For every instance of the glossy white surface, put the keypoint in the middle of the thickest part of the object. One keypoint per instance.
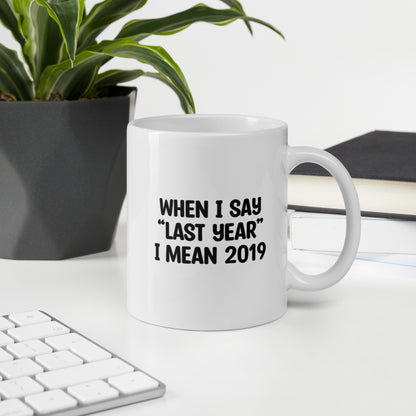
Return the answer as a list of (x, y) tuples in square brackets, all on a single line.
[(346, 350), (204, 159), (219, 162), (303, 281)]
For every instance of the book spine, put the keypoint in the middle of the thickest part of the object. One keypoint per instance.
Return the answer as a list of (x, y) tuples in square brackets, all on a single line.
[(325, 232)]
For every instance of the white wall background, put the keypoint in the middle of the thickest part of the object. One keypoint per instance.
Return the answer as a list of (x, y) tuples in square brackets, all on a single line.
[(345, 68)]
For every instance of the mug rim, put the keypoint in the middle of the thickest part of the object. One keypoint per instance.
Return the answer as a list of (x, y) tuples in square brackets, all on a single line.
[(174, 124)]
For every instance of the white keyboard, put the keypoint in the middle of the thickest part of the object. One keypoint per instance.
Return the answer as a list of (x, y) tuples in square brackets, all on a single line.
[(46, 368)]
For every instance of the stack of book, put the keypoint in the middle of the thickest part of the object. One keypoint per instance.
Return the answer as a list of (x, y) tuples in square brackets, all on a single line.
[(383, 167)]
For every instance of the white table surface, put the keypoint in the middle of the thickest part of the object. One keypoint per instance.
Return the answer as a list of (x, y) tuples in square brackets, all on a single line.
[(348, 350)]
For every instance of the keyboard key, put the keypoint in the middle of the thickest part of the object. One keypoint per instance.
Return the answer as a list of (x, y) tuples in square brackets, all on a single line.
[(5, 339), (29, 349), (89, 352), (48, 369), (133, 383), (37, 331), (58, 360), (5, 324), (51, 401), (83, 373), (19, 368), (96, 391), (19, 387), (5, 356), (64, 342), (29, 318), (14, 407)]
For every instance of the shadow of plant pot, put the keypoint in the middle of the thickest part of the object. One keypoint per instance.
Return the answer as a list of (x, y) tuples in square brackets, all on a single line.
[(62, 175)]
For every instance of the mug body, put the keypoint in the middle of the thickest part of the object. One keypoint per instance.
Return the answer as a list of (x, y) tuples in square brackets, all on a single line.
[(207, 226)]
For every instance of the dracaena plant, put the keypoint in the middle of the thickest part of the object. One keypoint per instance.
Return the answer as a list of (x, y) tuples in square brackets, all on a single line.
[(62, 57)]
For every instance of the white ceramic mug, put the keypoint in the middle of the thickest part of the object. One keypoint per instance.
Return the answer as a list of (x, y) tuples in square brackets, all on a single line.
[(207, 223)]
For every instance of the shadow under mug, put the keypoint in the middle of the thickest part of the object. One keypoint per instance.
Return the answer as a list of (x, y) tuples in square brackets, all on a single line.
[(207, 221)]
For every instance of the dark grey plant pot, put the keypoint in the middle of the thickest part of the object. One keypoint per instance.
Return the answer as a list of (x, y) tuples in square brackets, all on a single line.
[(62, 175)]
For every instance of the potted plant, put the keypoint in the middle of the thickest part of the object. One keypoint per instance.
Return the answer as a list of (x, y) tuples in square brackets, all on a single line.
[(63, 119)]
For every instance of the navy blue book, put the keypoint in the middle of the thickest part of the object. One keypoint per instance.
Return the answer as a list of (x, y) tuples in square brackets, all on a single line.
[(383, 167)]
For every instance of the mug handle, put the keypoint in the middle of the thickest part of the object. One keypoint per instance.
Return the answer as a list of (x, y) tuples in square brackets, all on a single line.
[(299, 280)]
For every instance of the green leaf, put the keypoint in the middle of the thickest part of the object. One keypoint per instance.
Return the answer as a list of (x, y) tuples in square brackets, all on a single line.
[(140, 29), (68, 15), (7, 86), (72, 83), (234, 4), (182, 99), (70, 80), (43, 40), (9, 20), (117, 76), (14, 80), (102, 15), (263, 23), (159, 59)]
